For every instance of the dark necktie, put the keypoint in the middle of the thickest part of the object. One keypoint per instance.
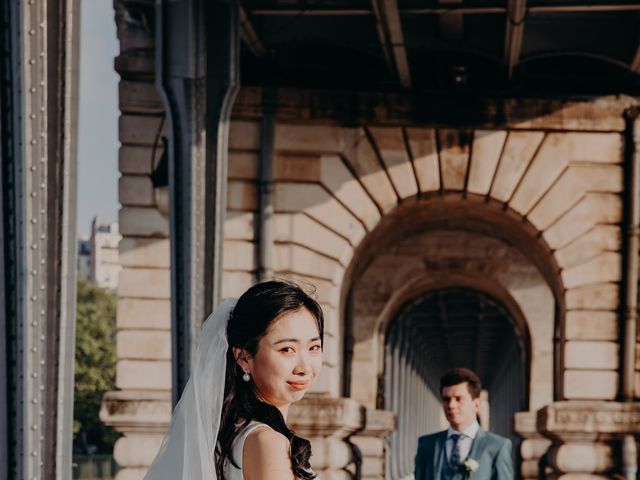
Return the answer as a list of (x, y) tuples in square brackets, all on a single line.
[(455, 451)]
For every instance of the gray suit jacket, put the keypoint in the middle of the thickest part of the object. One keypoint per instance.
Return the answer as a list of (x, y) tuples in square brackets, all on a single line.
[(491, 451)]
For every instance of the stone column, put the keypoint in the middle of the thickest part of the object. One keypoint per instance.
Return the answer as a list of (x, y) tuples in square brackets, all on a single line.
[(141, 407), (370, 441), (587, 437), (337, 429), (326, 423), (533, 447)]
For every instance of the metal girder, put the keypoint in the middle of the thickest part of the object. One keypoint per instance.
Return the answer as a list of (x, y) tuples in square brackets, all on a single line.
[(37, 186), (514, 32), (249, 36), (447, 9), (389, 29), (451, 24), (197, 60), (635, 63)]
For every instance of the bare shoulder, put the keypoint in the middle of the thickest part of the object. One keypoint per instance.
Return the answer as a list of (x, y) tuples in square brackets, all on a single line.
[(266, 456)]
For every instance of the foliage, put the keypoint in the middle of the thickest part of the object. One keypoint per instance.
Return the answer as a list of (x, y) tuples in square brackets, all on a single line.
[(95, 366)]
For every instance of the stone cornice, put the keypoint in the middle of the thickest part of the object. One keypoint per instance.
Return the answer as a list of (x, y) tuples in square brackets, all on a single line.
[(147, 412), (588, 420)]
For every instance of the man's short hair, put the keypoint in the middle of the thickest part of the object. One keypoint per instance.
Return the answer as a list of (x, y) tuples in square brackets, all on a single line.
[(456, 376)]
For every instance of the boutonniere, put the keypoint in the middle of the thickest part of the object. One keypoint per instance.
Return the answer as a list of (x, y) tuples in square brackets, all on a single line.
[(470, 465)]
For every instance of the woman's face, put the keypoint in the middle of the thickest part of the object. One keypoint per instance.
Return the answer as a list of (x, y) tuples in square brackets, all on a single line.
[(288, 360)]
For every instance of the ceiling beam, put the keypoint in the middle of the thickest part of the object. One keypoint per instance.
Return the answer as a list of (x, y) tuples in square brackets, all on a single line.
[(452, 24), (635, 63), (446, 9), (514, 32), (249, 36), (391, 36)]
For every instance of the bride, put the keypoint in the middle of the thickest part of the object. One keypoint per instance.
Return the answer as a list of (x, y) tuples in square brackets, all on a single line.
[(255, 358)]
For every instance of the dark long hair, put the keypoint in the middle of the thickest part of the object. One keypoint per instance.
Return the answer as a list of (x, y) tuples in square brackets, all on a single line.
[(255, 311)]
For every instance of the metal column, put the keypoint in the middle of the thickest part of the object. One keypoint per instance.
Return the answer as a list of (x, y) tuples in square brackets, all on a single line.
[(37, 186), (197, 60)]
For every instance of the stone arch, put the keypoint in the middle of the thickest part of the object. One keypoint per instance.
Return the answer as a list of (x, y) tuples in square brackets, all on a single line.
[(421, 286), (440, 257), (442, 326), (337, 189)]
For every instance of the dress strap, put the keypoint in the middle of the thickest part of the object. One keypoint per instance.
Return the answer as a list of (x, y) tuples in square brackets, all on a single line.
[(238, 444)]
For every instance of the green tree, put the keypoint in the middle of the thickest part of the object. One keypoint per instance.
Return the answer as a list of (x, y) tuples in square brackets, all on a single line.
[(95, 365)]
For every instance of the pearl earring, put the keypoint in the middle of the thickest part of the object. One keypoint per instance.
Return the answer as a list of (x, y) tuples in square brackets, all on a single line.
[(246, 377)]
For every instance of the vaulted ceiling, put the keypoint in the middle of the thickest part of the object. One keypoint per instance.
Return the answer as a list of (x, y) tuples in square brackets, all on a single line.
[(493, 46)]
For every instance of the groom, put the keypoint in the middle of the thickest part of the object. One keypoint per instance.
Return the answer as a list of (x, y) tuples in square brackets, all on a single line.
[(464, 450)]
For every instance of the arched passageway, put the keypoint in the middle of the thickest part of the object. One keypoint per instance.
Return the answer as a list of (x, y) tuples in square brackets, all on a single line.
[(445, 328)]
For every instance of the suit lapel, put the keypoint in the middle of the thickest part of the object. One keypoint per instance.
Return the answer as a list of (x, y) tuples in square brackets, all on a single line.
[(478, 444), (440, 455)]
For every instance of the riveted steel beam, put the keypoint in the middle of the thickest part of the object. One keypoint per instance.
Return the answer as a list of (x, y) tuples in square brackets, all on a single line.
[(37, 185)]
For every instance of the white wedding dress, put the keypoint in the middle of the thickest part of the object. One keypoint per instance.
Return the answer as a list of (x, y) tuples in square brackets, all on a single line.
[(230, 470)]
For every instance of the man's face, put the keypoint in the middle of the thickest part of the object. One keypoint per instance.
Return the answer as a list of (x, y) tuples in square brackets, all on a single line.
[(459, 407)]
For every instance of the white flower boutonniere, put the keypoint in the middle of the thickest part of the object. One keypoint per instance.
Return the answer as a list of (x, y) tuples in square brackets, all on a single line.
[(470, 465)]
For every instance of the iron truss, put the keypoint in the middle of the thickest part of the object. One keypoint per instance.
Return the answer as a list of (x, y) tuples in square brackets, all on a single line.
[(508, 46), (37, 185)]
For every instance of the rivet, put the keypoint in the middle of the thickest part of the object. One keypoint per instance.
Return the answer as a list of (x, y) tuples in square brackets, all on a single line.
[(34, 427), (32, 31), (34, 349), (34, 220), (34, 141), (42, 262), (42, 338), (34, 247), (34, 454), (33, 194), (41, 362), (32, 61), (34, 401), (42, 287), (33, 168), (33, 115), (32, 89), (34, 324), (33, 272), (34, 298), (43, 185), (34, 375), (43, 236), (42, 160), (42, 312)]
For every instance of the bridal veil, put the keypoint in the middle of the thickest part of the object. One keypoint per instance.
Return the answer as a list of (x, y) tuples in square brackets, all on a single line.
[(187, 451)]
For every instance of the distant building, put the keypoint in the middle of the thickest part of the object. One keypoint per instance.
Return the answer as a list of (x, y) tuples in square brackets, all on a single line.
[(84, 257), (98, 255)]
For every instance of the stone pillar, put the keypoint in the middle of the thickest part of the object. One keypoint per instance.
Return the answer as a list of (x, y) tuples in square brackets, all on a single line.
[(337, 429), (533, 446), (141, 407), (371, 442), (587, 437), (143, 418)]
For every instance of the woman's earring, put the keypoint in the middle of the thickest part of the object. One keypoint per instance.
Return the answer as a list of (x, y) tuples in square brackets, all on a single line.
[(246, 377)]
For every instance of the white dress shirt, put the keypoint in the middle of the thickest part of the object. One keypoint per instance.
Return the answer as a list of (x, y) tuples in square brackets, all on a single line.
[(465, 441)]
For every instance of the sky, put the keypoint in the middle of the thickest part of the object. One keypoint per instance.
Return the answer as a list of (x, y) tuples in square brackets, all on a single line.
[(98, 115)]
